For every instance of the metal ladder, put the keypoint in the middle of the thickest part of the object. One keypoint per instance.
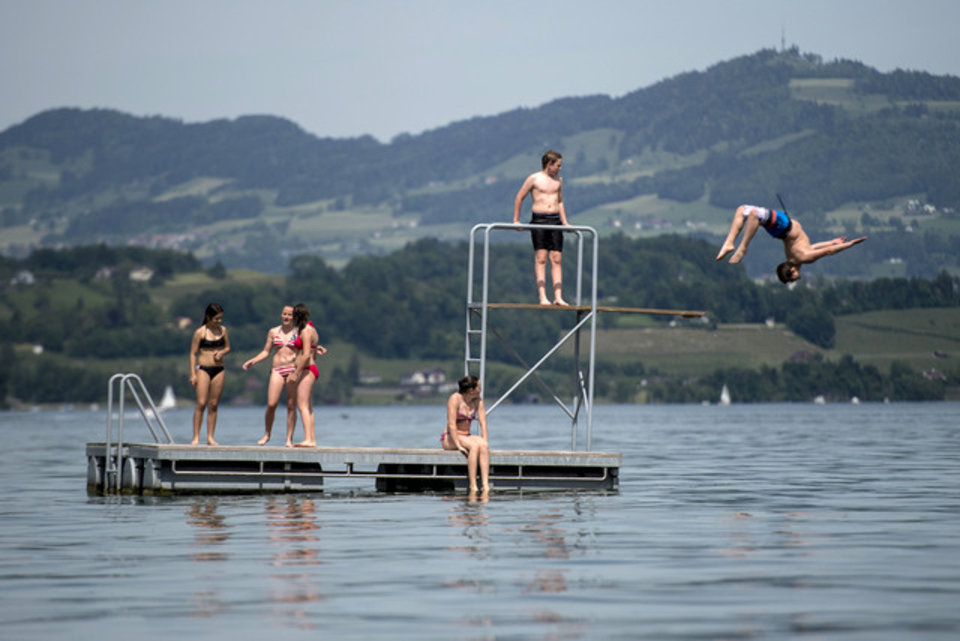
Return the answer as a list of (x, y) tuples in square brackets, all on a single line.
[(477, 310), (134, 384)]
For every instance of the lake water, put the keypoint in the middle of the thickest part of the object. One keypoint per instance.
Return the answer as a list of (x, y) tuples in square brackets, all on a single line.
[(739, 522)]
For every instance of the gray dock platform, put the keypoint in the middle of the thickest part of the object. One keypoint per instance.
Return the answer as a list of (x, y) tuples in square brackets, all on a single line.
[(157, 468)]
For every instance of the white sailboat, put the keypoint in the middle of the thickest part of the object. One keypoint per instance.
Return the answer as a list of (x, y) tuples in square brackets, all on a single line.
[(168, 401), (725, 395)]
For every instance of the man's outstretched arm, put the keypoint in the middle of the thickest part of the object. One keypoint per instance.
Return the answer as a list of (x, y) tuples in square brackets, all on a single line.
[(829, 248), (827, 243)]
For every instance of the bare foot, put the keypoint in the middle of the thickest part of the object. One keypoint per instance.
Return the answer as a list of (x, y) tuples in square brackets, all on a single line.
[(263, 441), (736, 258), (474, 496), (289, 444), (305, 444), (544, 301), (726, 249), (210, 441), (474, 489), (561, 303), (195, 441)]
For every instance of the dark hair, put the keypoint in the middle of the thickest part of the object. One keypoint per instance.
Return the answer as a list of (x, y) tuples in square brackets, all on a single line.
[(301, 314), (783, 272), (212, 310), (467, 383), (550, 156)]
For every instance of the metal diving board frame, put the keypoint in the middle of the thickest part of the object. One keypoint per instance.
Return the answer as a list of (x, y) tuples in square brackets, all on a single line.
[(478, 327)]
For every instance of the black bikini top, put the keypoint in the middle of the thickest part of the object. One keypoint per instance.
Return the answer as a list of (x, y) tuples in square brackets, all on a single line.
[(208, 344)]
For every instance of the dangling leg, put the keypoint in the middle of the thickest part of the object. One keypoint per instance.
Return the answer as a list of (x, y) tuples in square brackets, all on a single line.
[(750, 227), (735, 227), (473, 457), (484, 460)]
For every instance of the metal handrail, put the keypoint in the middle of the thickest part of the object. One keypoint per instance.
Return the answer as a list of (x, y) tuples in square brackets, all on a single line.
[(484, 301), (126, 381)]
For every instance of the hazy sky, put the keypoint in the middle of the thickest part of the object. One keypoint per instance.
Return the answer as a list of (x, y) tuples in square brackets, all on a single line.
[(351, 67)]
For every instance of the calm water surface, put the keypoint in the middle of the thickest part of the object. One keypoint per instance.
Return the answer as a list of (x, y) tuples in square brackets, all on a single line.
[(740, 522)]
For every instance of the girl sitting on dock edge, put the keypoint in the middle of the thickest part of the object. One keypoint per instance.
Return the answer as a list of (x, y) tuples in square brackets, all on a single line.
[(463, 407)]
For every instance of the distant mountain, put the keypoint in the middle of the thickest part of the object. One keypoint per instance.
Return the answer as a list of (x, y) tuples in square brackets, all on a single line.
[(849, 148)]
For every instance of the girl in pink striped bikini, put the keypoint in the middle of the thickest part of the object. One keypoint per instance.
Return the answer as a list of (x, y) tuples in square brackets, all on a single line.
[(283, 341)]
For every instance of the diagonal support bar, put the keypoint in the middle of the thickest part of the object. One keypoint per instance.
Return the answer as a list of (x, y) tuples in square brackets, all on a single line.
[(543, 359)]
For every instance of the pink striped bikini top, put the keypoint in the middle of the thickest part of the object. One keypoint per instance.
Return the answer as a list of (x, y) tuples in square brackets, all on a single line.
[(291, 341)]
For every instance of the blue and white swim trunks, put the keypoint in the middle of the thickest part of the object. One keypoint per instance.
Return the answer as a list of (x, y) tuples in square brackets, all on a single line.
[(775, 221)]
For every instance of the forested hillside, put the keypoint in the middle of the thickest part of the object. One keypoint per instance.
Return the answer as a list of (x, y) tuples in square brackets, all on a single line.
[(72, 317), (852, 150)]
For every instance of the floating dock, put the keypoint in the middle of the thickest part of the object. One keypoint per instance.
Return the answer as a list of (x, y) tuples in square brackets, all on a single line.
[(120, 466), (161, 468)]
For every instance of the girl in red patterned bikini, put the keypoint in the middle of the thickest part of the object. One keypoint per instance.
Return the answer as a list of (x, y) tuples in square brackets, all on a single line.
[(282, 341), (306, 372)]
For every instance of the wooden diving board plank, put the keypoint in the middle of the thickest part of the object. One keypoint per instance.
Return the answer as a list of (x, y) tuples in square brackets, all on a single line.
[(686, 313)]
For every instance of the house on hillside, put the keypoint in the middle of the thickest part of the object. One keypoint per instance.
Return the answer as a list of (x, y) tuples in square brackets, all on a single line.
[(425, 382), (23, 277), (141, 274)]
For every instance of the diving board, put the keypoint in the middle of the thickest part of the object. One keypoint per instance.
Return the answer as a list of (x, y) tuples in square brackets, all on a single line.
[(685, 313), (478, 329)]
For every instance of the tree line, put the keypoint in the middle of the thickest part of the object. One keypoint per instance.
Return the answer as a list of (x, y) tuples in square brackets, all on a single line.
[(408, 304)]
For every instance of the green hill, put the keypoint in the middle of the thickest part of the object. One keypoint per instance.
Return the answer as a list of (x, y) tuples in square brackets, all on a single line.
[(852, 150)]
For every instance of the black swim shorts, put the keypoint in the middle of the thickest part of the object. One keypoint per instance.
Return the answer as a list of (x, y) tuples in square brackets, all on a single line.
[(549, 239)]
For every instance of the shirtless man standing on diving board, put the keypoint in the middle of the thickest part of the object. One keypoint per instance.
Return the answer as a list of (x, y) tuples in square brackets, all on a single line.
[(546, 191), (796, 244)]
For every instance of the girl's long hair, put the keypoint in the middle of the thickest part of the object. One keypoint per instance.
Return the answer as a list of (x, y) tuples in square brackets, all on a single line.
[(467, 383), (301, 314), (212, 310)]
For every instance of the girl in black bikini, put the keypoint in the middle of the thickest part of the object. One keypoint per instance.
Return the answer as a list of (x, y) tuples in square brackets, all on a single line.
[(209, 345)]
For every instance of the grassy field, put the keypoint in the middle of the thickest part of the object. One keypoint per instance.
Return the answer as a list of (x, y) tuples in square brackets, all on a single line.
[(198, 281), (60, 297), (836, 91), (875, 338), (911, 336)]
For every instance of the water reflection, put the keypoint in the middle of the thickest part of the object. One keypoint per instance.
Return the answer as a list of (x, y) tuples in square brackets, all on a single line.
[(543, 534), (471, 519), (211, 530), (548, 534), (292, 523), (745, 532), (293, 532)]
